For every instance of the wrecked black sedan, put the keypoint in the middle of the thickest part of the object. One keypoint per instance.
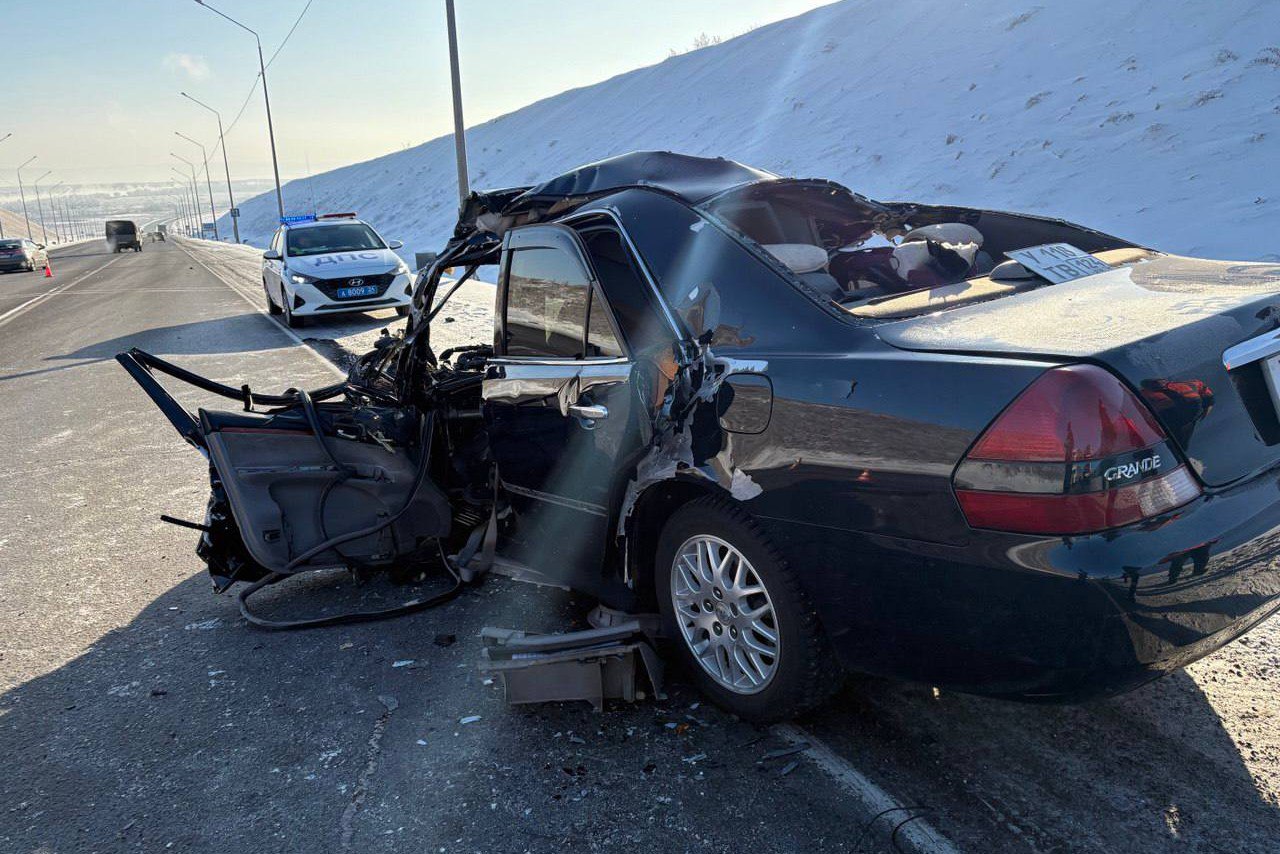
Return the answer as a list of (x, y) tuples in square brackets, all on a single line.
[(987, 451)]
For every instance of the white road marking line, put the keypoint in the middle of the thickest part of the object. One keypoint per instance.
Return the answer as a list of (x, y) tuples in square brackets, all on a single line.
[(84, 291), (244, 296), (916, 835), (17, 310)]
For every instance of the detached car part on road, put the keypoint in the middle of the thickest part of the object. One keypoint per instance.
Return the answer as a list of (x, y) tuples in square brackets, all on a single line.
[(986, 451)]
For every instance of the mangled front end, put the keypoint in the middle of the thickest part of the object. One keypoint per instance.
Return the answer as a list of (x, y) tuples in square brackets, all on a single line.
[(347, 475)]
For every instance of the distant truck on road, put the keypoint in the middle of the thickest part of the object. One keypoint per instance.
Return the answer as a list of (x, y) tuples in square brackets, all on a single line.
[(122, 234)]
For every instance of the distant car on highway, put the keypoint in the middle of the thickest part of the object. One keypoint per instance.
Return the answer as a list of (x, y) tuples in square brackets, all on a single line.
[(19, 253), (122, 234), (332, 264)]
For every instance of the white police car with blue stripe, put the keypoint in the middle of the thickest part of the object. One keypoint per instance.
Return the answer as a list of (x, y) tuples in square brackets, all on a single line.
[(332, 264)]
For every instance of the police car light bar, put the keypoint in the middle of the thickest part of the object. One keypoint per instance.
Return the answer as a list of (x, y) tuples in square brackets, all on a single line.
[(349, 215)]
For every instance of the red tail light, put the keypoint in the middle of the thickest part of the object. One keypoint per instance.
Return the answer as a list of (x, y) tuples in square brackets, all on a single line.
[(1075, 453)]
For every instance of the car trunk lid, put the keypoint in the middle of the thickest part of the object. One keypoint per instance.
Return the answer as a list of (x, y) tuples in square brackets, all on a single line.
[(1163, 325)]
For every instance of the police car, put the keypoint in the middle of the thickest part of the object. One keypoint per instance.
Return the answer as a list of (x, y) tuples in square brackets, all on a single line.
[(332, 264)]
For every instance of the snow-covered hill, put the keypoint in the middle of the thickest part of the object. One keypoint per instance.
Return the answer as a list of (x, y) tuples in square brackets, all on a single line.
[(1159, 122)]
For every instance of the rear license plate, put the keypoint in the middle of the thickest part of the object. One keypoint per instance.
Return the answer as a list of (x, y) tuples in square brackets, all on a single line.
[(362, 291), (1058, 262)]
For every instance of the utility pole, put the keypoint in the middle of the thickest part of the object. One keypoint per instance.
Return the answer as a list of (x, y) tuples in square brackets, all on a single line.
[(204, 155), (222, 141), (262, 70), (459, 131), (23, 194)]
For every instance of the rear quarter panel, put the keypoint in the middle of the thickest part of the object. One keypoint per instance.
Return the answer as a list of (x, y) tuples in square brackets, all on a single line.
[(867, 442)]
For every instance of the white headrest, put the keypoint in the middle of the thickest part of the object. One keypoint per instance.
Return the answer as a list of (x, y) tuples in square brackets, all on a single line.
[(799, 258), (945, 232)]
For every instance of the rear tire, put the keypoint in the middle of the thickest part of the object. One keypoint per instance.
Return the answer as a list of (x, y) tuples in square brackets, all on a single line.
[(740, 669), (402, 311)]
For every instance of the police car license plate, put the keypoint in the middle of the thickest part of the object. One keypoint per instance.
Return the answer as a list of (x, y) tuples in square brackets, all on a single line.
[(362, 291)]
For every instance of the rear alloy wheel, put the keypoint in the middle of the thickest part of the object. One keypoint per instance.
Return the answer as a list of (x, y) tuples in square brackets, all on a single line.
[(738, 615), (272, 308)]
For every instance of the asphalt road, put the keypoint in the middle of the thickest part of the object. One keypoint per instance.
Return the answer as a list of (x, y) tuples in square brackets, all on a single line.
[(140, 713)]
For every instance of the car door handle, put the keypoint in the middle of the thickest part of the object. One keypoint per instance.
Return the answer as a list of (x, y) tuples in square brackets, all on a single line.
[(590, 412)]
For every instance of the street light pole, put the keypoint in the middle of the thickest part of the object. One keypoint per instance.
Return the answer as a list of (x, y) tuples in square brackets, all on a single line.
[(459, 133), (179, 205), (262, 70), (68, 225), (184, 193), (23, 194), (195, 186), (44, 234), (53, 210), (204, 155), (2, 139), (222, 141)]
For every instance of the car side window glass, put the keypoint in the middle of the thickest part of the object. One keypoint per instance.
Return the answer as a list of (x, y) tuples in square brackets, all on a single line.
[(546, 304), (601, 339), (629, 298)]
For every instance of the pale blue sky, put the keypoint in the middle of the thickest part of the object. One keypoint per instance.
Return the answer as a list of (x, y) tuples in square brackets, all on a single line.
[(98, 80)]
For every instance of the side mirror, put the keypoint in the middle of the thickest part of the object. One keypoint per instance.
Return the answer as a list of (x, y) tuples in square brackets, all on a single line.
[(395, 244), (271, 255)]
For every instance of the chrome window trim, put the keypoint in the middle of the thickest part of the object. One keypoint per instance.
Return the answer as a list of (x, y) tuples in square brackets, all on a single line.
[(540, 360), (560, 500), (672, 323), (1253, 350)]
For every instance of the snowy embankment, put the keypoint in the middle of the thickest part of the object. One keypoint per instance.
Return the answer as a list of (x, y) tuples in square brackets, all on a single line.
[(1156, 122)]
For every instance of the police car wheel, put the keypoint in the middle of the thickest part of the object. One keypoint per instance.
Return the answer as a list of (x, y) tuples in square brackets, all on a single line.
[(272, 308), (402, 311), (290, 319)]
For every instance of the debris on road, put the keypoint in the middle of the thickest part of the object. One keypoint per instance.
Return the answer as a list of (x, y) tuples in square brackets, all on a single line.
[(785, 751), (592, 665), (469, 719)]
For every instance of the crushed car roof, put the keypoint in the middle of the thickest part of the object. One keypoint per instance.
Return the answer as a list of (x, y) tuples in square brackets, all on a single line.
[(693, 179)]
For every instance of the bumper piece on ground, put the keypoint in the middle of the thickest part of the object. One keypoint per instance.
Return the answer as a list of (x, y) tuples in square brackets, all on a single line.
[(592, 665)]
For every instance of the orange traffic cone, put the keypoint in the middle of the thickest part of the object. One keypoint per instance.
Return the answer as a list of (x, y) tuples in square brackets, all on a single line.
[(48, 270)]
